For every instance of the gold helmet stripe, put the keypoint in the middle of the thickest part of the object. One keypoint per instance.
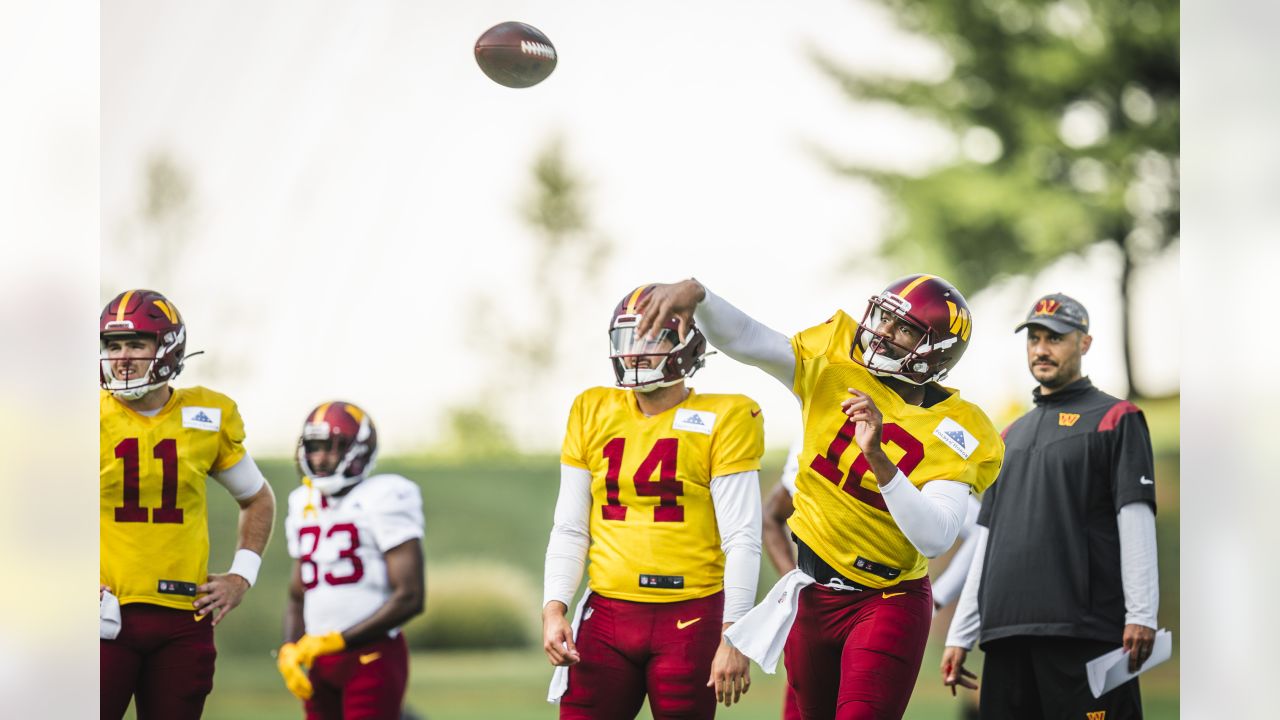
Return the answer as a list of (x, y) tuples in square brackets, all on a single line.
[(354, 412), (635, 297), (124, 303), (907, 290), (318, 415), (168, 311)]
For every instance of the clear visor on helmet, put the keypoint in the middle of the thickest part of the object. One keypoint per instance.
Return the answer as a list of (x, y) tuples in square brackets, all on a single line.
[(624, 342), (641, 362)]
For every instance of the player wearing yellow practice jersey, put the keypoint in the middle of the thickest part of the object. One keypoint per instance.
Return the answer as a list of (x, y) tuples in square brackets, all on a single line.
[(856, 611), (159, 445), (659, 487)]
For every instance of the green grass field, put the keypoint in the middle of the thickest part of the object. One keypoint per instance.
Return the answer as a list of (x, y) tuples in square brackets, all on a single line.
[(501, 510)]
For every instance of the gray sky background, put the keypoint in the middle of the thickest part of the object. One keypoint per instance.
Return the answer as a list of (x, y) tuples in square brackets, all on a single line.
[(357, 181)]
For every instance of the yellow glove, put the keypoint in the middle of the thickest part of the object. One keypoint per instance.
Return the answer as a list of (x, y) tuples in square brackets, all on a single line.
[(294, 659)]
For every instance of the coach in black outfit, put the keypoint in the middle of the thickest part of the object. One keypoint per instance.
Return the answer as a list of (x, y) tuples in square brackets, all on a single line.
[(1065, 568)]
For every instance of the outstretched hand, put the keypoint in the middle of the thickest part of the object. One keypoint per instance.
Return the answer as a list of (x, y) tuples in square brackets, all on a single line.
[(664, 301)]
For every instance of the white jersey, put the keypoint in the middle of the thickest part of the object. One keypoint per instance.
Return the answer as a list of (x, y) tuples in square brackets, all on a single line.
[(341, 543)]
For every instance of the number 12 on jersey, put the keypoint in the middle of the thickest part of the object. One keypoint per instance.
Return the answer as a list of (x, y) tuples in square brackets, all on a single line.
[(667, 488)]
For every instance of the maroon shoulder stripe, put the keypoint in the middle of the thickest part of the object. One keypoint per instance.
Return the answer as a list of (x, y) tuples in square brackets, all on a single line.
[(1117, 411)]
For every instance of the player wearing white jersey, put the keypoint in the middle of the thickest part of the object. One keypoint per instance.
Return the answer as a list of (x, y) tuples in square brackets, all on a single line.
[(357, 572)]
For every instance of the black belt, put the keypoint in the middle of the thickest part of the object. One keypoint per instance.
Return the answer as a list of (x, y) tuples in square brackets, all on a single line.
[(818, 569)]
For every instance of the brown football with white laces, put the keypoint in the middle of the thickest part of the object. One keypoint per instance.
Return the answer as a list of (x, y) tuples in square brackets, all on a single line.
[(515, 54)]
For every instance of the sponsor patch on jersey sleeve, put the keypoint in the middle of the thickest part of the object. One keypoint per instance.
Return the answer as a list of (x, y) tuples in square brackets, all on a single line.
[(699, 421), (954, 436), (202, 418)]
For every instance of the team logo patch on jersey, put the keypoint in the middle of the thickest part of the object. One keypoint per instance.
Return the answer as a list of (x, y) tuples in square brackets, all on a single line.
[(956, 437), (202, 418), (1068, 419), (699, 421)]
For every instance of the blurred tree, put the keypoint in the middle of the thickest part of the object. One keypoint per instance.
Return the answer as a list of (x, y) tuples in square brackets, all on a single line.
[(157, 237), (154, 248), (568, 255), (1066, 120)]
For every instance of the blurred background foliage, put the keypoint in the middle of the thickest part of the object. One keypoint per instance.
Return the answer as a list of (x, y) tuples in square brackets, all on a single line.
[(1065, 115)]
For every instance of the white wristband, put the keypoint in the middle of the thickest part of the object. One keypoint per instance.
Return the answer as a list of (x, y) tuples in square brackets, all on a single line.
[(246, 564)]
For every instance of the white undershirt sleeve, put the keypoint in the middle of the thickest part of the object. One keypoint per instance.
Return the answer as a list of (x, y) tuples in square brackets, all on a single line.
[(745, 339), (930, 518), (1139, 574), (243, 480), (570, 537), (967, 623), (736, 499), (946, 587)]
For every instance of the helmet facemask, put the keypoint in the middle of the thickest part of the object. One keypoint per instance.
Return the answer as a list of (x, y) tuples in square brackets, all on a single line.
[(357, 455), (669, 360), (163, 366), (884, 357)]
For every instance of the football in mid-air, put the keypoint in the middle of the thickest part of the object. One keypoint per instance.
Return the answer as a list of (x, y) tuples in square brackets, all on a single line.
[(515, 54)]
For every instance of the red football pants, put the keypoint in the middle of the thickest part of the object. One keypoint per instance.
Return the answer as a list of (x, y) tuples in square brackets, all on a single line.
[(163, 658), (856, 655), (629, 649), (363, 683)]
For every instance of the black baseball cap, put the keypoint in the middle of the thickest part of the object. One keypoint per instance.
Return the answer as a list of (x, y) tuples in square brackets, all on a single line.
[(1059, 313)]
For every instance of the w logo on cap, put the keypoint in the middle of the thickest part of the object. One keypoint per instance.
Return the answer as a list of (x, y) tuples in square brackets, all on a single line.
[(1047, 306)]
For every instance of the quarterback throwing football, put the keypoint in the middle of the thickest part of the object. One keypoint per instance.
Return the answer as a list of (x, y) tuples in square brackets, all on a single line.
[(659, 486), (158, 602), (855, 613), (356, 540)]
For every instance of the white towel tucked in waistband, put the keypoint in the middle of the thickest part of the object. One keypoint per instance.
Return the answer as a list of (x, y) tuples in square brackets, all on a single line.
[(762, 632), (108, 616)]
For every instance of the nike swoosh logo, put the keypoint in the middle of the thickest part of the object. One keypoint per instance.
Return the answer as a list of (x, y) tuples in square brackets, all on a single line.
[(200, 617), (1145, 481), (366, 659), (756, 412), (682, 624), (886, 596)]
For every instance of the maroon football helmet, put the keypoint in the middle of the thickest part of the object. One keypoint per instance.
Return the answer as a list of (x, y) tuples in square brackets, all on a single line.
[(142, 312), (343, 427), (931, 305), (671, 360)]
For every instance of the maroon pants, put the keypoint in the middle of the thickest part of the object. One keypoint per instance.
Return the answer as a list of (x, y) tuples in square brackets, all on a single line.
[(629, 649), (856, 655), (163, 658), (362, 683)]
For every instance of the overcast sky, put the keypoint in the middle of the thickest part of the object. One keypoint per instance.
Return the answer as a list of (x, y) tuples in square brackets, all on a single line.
[(357, 183)]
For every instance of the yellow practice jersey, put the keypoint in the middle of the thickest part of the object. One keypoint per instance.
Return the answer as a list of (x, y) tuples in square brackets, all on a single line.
[(653, 526), (153, 527), (839, 512)]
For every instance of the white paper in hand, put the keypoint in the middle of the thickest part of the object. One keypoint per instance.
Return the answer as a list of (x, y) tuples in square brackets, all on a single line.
[(1111, 670)]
